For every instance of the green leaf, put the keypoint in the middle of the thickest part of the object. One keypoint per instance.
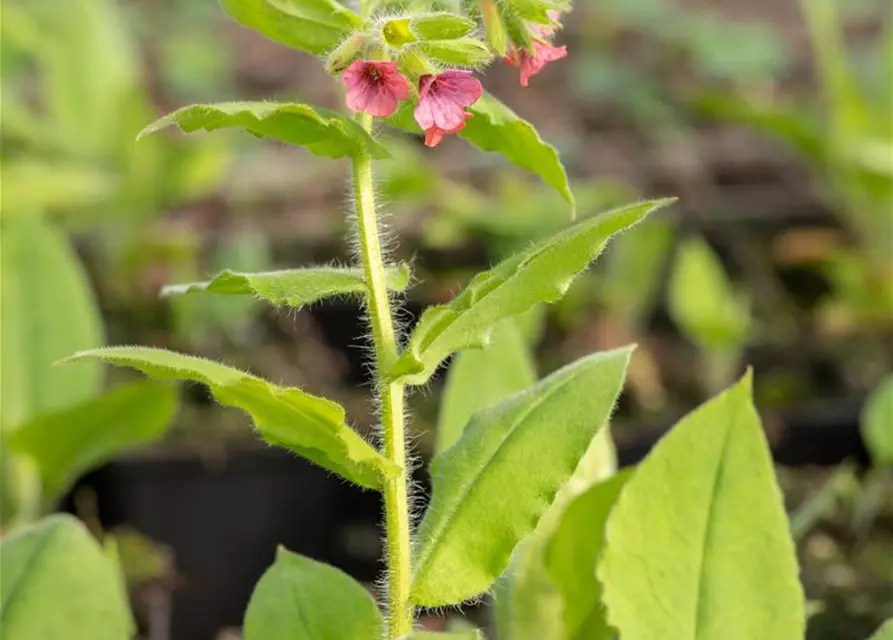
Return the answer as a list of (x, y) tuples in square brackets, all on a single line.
[(465, 52), (491, 488), (292, 287), (300, 598), (58, 583), (572, 553), (322, 131), (469, 634), (540, 274), (884, 632), (312, 26), (285, 416), (440, 26), (69, 442), (531, 597), (47, 311), (479, 378), (495, 127), (702, 300), (877, 423), (698, 543)]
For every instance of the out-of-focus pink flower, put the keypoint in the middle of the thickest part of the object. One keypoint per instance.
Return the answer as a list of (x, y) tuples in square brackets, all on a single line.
[(442, 102), (532, 63), (374, 87), (543, 51)]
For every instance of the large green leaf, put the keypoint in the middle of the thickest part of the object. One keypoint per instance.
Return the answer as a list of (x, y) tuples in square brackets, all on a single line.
[(698, 544), (58, 584), (301, 598), (48, 312), (572, 553), (69, 442), (313, 26), (884, 632), (322, 131), (495, 127), (877, 423), (540, 274), (492, 487), (292, 287), (479, 378), (532, 597), (703, 301), (285, 416), (470, 634)]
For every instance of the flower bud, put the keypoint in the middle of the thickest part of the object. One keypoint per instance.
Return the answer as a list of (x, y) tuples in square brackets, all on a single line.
[(345, 53), (494, 27)]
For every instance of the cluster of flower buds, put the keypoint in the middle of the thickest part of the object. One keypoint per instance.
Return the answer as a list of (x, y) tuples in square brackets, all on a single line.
[(430, 60)]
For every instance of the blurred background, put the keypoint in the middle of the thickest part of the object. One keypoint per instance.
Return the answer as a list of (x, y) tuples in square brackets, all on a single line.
[(772, 121)]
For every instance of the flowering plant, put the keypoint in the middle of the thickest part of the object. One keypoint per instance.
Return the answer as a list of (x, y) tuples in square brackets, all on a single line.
[(527, 501)]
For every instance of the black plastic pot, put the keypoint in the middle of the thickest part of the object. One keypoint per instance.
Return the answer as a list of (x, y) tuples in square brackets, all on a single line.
[(224, 519)]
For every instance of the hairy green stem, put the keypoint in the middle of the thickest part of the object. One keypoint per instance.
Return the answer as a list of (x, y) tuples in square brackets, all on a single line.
[(390, 396)]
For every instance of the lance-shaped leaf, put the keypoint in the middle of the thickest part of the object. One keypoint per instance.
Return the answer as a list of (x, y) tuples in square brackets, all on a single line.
[(69, 442), (292, 287), (540, 274), (313, 26), (495, 127), (492, 487), (698, 544), (310, 426), (322, 131), (877, 423), (301, 598), (58, 583)]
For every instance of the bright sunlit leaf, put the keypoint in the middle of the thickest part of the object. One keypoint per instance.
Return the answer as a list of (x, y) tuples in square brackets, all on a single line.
[(492, 487), (698, 544)]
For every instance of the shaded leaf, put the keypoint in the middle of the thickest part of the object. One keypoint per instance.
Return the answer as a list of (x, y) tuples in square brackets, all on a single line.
[(293, 287), (58, 583), (572, 553), (877, 423), (491, 488), (478, 378), (301, 598), (322, 131), (698, 543), (495, 127), (540, 274), (69, 442), (703, 301), (285, 416), (312, 26), (47, 311)]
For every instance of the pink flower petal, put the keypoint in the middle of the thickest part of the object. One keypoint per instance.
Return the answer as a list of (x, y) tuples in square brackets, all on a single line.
[(374, 87), (443, 98)]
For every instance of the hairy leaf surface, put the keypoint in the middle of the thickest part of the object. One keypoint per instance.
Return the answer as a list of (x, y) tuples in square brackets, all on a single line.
[(312, 427), (322, 131), (292, 287), (540, 274), (492, 487)]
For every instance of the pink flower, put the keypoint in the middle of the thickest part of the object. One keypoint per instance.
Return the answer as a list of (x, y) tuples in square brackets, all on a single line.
[(442, 102), (543, 51), (532, 64), (374, 87)]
